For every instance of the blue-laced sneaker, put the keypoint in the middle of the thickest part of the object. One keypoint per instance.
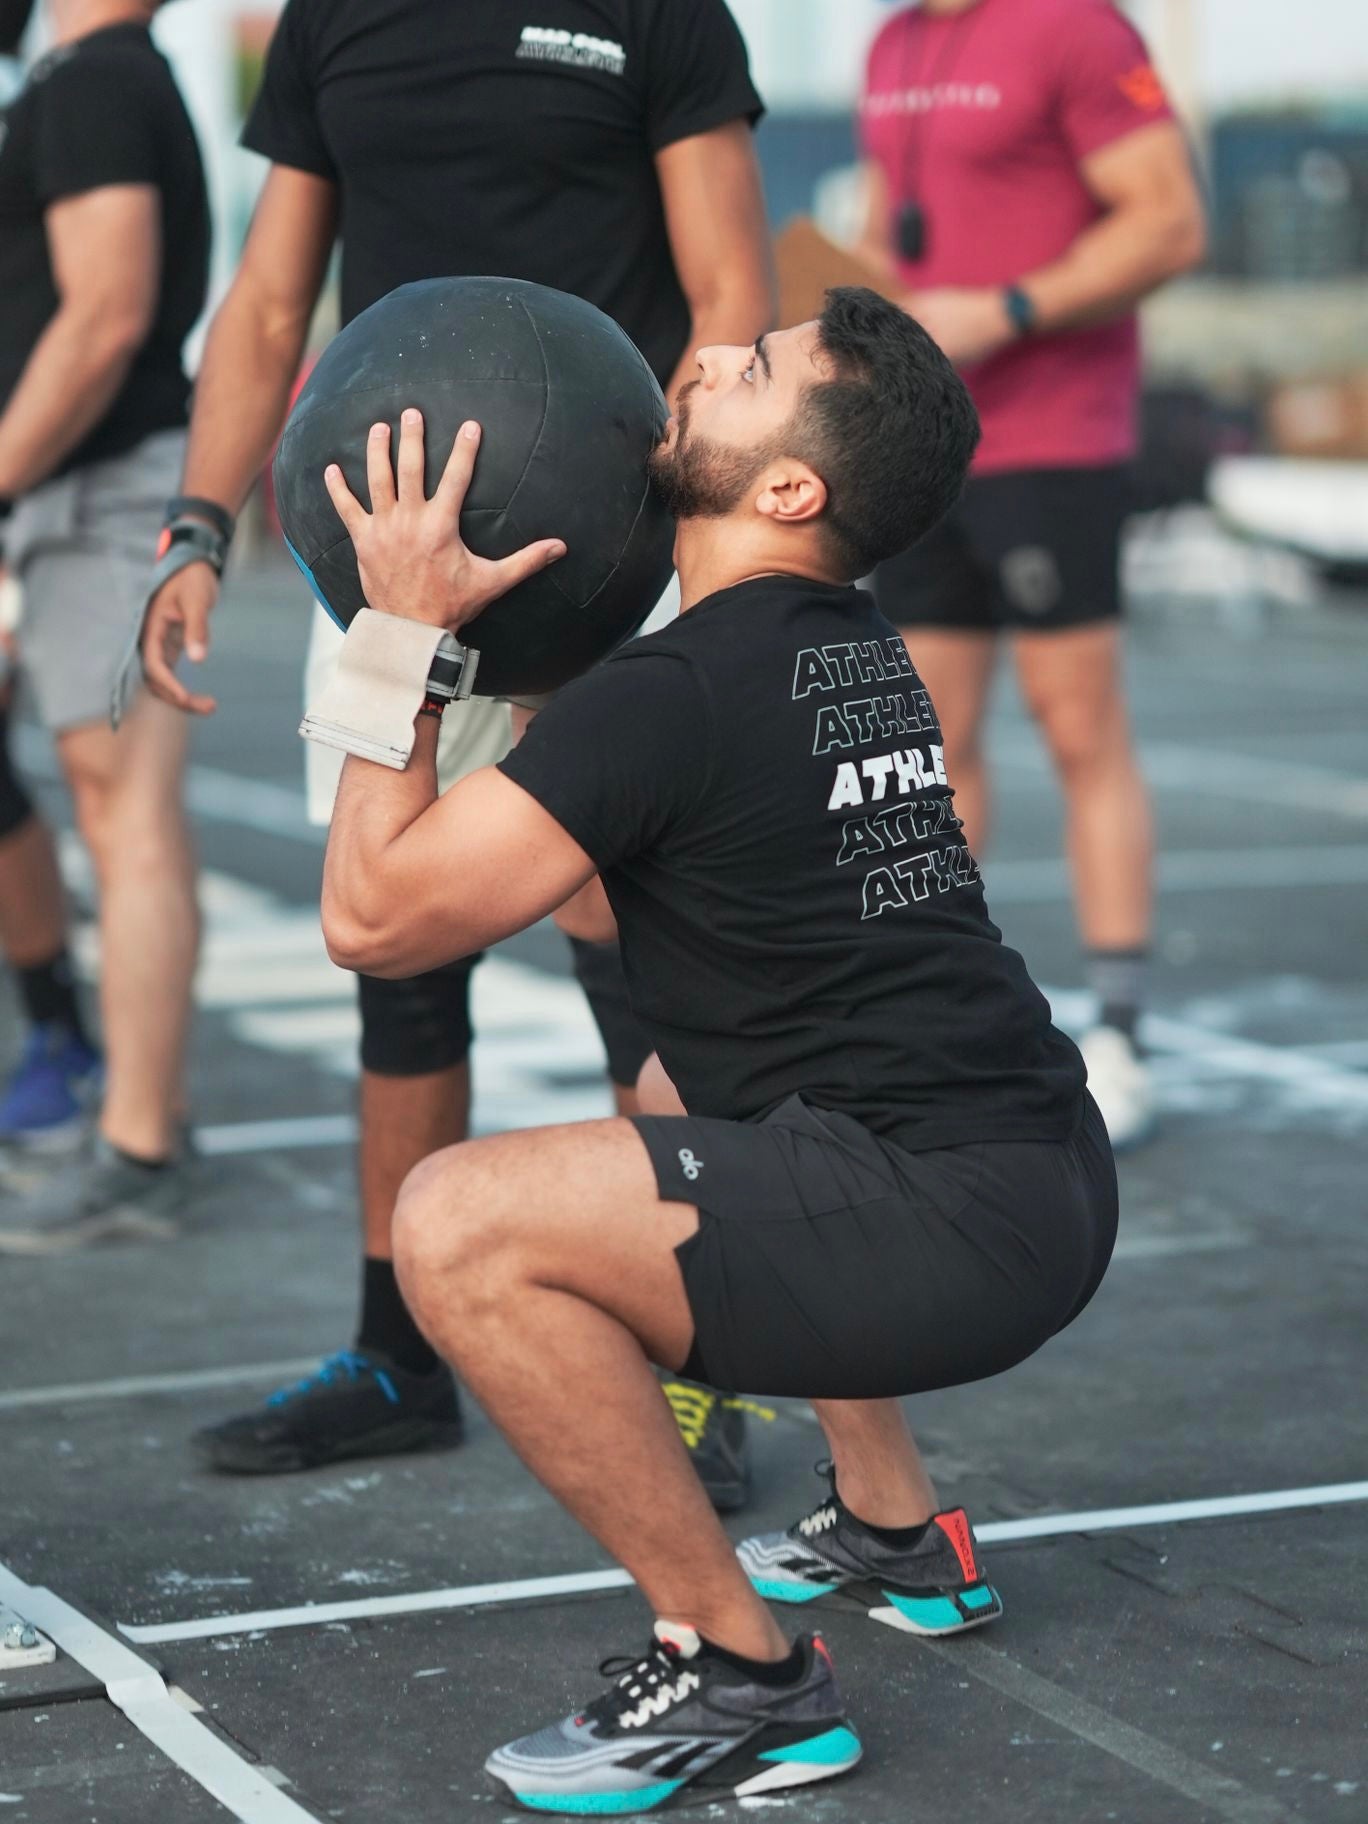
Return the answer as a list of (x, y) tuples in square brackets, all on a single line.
[(352, 1405), (931, 1583), (685, 1725), (50, 1100)]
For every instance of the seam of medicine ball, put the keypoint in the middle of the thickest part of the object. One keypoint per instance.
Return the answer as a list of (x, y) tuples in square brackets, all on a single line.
[(626, 546), (303, 418), (546, 401)]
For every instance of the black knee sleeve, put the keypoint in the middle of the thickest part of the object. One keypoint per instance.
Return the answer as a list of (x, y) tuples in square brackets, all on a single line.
[(16, 807), (412, 1028), (599, 968)]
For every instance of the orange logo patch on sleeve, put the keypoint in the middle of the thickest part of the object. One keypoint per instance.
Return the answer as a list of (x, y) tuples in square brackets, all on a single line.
[(1142, 87)]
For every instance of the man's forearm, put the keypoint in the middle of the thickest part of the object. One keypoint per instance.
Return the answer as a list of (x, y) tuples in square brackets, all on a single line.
[(68, 384), (1112, 265), (375, 806), (241, 397)]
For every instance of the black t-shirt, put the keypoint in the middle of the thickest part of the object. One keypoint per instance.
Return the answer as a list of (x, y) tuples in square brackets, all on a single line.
[(465, 140), (104, 110), (763, 786)]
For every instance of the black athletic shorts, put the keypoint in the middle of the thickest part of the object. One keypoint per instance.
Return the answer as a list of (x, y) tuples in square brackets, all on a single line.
[(830, 1264), (1030, 550)]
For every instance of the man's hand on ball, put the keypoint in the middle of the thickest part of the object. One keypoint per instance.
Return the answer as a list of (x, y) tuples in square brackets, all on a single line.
[(409, 550)]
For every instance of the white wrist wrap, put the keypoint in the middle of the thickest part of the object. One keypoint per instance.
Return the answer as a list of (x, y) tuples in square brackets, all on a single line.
[(369, 706)]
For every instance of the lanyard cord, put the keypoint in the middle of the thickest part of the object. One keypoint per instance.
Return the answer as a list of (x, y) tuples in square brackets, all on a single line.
[(955, 39)]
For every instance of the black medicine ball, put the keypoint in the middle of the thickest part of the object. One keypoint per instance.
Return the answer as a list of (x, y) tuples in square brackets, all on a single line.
[(570, 413)]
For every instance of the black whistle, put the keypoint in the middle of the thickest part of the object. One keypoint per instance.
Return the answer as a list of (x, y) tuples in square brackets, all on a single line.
[(912, 232)]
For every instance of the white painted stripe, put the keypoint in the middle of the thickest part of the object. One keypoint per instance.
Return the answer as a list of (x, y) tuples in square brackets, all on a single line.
[(1273, 869), (305, 1131), (420, 1602), (140, 1692), (137, 1386), (534, 1589)]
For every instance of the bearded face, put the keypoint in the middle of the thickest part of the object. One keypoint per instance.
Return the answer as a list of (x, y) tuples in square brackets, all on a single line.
[(699, 478)]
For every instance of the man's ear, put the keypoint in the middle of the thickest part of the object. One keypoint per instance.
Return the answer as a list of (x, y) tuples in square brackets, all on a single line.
[(791, 493)]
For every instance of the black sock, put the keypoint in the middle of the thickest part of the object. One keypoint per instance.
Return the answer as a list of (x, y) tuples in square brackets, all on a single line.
[(899, 1536), (49, 995), (763, 1671), (386, 1324), (1118, 978)]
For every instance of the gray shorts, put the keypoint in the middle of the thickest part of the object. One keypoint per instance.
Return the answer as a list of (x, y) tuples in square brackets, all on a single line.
[(82, 548)]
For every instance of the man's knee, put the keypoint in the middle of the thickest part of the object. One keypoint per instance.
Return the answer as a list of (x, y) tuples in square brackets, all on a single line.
[(1082, 733), (451, 1226)]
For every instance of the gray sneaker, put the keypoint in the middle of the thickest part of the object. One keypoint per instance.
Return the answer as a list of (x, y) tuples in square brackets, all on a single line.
[(99, 1197)]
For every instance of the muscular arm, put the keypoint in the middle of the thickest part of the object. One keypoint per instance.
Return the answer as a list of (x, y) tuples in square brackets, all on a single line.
[(105, 248), (715, 216), (257, 337), (412, 880), (1152, 229), (250, 362)]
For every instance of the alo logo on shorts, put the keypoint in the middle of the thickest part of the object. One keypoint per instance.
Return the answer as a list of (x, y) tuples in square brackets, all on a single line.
[(688, 1164), (550, 44)]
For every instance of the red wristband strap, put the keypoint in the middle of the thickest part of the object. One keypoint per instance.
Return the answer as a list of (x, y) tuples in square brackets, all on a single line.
[(433, 706)]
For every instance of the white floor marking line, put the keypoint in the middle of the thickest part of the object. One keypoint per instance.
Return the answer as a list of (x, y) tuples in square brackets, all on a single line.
[(131, 1387), (364, 1608), (1036, 882), (234, 1137), (1220, 1795), (140, 1692), (534, 1589)]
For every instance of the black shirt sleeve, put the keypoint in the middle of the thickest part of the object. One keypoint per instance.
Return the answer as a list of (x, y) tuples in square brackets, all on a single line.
[(621, 756), (283, 124), (91, 131), (698, 74)]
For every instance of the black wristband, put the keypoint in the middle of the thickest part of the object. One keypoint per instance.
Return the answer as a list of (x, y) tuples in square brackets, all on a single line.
[(191, 506), (1020, 310)]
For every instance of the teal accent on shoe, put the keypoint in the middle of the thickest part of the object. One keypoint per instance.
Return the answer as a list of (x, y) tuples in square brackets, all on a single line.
[(933, 1612), (833, 1749), (787, 1592), (600, 1804), (984, 1597)]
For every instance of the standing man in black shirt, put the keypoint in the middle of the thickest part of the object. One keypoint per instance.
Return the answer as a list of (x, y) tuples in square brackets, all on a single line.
[(104, 250), (890, 1177), (602, 147)]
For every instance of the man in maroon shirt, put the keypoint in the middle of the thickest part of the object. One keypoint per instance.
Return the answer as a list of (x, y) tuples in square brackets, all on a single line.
[(1027, 185)]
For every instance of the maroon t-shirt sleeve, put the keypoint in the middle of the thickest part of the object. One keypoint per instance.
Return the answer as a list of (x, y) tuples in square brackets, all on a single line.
[(1107, 85)]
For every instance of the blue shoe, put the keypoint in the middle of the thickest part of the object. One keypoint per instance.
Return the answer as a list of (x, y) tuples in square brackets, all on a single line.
[(683, 1726), (353, 1405), (50, 1100)]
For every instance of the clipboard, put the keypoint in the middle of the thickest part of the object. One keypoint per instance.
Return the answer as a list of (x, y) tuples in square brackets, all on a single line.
[(808, 265)]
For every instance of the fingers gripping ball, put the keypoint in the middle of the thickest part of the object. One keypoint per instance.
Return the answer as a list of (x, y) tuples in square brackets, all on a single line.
[(570, 413)]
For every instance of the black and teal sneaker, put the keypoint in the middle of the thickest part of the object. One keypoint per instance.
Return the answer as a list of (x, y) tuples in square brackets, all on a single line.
[(353, 1405), (929, 1582), (686, 1725)]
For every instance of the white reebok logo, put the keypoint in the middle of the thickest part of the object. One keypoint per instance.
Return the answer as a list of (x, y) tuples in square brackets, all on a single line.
[(689, 1165), (551, 44)]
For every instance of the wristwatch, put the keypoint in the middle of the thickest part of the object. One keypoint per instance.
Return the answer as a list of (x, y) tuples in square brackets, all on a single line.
[(1021, 312)]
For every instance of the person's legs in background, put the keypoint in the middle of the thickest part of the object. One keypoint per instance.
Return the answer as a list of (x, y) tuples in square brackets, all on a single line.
[(1037, 553), (48, 1102), (389, 1393)]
